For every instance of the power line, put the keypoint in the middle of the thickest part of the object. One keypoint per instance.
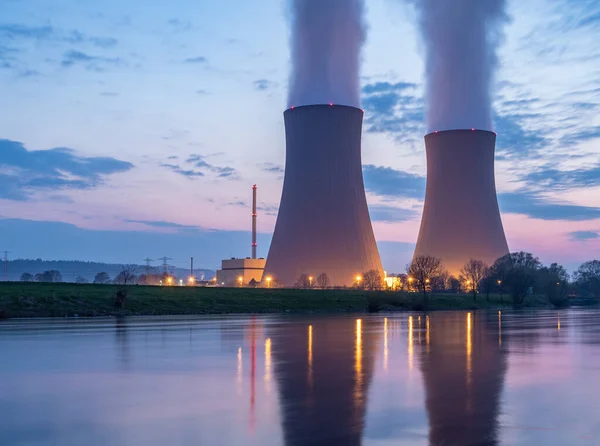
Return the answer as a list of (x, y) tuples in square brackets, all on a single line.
[(165, 261), (148, 260)]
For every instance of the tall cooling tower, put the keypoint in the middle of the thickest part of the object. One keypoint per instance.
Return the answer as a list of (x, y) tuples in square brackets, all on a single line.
[(461, 219), (323, 224)]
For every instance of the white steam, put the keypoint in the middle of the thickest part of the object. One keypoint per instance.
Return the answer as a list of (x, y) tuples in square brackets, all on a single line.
[(327, 36), (461, 39)]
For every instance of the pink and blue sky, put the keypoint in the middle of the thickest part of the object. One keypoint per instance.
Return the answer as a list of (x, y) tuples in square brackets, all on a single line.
[(130, 129)]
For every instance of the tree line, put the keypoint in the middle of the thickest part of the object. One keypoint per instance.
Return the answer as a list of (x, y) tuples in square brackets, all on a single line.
[(515, 275)]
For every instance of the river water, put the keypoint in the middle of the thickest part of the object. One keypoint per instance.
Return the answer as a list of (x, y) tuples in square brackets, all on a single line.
[(457, 378)]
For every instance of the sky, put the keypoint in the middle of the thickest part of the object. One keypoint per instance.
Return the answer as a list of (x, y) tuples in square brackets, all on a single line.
[(129, 131)]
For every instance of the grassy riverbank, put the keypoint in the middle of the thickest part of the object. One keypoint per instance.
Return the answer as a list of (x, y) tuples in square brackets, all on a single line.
[(65, 299)]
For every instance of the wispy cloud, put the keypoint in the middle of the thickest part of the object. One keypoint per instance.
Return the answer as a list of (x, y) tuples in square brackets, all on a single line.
[(548, 177), (196, 60), (391, 214), (165, 225), (388, 182), (197, 166), (189, 173), (581, 236), (263, 84), (272, 168), (23, 172), (15, 32), (89, 62), (536, 206)]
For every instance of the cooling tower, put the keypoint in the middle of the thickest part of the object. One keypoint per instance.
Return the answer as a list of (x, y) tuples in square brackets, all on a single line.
[(323, 224), (461, 219)]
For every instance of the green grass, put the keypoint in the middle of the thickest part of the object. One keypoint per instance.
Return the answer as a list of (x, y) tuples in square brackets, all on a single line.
[(65, 299)]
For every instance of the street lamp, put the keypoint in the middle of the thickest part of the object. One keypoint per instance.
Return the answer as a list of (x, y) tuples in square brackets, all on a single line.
[(310, 279), (268, 282), (358, 280), (241, 280), (191, 280), (169, 280)]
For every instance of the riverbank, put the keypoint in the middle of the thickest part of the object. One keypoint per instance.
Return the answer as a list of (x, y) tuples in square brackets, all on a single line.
[(18, 300)]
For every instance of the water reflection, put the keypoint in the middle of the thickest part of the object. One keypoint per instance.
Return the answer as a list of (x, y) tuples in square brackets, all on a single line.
[(323, 389), (463, 372), (496, 378)]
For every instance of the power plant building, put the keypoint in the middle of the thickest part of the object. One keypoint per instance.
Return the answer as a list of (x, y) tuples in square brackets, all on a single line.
[(240, 272), (461, 219), (323, 225)]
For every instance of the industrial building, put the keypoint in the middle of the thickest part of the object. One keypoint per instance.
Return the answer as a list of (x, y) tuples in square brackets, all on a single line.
[(461, 219), (243, 272), (323, 225), (240, 272)]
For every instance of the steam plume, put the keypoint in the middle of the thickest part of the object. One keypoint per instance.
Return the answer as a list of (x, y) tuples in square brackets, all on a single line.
[(461, 39), (327, 36)]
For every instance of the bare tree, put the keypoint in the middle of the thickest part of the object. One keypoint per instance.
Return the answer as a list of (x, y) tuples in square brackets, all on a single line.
[(323, 281), (303, 282), (127, 275), (422, 270), (473, 273), (372, 280)]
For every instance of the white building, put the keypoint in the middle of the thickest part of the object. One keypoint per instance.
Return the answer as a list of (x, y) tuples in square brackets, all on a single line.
[(240, 272)]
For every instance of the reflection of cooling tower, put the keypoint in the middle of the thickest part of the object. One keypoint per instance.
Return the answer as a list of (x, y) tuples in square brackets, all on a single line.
[(323, 375), (461, 219), (323, 223), (463, 371)]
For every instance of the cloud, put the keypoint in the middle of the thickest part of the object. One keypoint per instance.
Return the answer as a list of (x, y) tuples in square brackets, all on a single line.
[(388, 182), (394, 108), (391, 214), (165, 225), (199, 167), (263, 85), (14, 32), (202, 92), (581, 236), (189, 173), (23, 171), (272, 168), (536, 206), (516, 140), (551, 178), (196, 60), (89, 62)]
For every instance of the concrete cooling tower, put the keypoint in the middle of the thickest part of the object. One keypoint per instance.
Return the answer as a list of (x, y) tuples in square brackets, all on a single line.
[(323, 224), (461, 219)]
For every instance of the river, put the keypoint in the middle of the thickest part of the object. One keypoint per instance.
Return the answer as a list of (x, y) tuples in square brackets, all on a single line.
[(450, 378)]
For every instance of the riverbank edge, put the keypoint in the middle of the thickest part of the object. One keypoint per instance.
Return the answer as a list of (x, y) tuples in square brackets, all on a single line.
[(36, 300)]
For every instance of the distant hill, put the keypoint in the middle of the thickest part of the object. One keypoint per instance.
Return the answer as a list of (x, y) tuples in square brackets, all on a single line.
[(70, 270)]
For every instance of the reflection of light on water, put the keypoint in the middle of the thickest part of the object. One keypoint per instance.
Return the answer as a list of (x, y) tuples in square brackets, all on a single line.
[(385, 344), (310, 354), (500, 328), (268, 360), (410, 343), (419, 330), (558, 323), (358, 363), (239, 368), (469, 347), (427, 332)]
